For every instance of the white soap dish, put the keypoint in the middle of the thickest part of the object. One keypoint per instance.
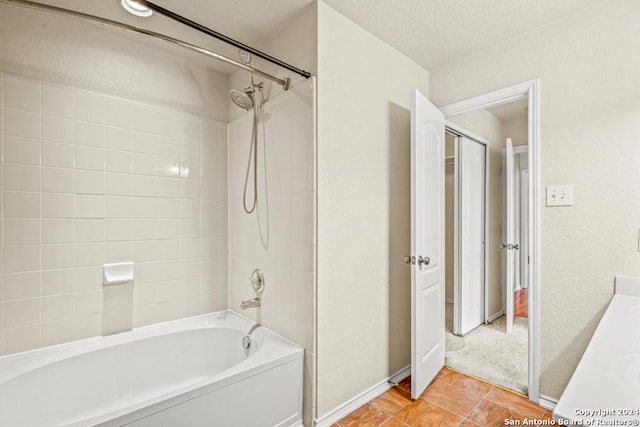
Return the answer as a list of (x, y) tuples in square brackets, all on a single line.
[(118, 273)]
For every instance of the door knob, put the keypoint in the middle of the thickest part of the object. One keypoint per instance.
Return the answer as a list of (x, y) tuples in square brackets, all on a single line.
[(409, 259), (424, 261)]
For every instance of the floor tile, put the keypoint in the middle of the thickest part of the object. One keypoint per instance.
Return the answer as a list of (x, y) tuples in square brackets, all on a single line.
[(443, 373), (365, 416), (490, 414), (467, 423), (452, 398), (548, 415), (406, 384), (425, 414), (513, 401), (393, 422), (393, 400), (466, 383)]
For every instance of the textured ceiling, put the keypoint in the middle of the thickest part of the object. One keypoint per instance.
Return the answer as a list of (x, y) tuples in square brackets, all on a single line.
[(431, 32), (437, 32)]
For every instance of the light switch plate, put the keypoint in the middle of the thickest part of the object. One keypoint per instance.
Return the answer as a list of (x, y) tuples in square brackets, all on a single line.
[(560, 195)]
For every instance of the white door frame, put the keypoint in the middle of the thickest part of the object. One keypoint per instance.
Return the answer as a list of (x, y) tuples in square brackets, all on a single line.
[(526, 90), (458, 131)]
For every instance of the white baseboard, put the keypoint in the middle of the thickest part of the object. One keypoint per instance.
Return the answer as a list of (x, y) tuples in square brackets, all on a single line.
[(548, 402), (357, 401), (495, 316)]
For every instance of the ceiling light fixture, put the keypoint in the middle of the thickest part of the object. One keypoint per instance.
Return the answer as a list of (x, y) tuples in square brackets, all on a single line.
[(136, 8)]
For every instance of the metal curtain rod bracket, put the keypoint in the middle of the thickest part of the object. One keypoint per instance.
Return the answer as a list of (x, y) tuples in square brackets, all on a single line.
[(206, 30), (110, 23)]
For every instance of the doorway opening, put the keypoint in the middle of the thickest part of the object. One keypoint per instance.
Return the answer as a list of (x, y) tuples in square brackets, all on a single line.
[(487, 244)]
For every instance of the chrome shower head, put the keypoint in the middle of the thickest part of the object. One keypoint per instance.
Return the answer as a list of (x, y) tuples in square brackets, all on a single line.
[(244, 56), (242, 99)]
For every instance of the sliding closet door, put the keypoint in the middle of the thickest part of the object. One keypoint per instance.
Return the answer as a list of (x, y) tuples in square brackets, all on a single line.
[(471, 249)]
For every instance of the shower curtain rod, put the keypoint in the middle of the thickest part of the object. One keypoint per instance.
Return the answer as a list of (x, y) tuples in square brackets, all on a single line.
[(206, 30), (108, 22)]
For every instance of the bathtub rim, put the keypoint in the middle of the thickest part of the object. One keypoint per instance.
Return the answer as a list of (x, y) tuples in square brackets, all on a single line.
[(16, 364)]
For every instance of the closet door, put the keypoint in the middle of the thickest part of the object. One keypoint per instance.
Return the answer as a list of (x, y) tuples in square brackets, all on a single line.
[(471, 233)]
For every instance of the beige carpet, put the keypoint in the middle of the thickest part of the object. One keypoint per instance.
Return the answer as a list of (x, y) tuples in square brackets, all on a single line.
[(489, 353)]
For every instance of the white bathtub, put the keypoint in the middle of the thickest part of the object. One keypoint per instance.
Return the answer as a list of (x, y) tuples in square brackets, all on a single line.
[(605, 387), (189, 372)]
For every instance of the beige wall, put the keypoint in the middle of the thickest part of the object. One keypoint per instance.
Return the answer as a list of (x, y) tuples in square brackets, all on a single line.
[(363, 93), (486, 125), (516, 129), (590, 102)]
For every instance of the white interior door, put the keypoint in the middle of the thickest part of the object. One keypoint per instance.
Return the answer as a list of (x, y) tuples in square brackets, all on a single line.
[(508, 249), (471, 192), (427, 242)]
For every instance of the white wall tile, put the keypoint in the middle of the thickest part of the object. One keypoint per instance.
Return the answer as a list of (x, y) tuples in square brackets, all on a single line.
[(21, 312), (85, 183), (119, 184), (21, 285), (90, 108), (144, 186), (57, 282), (92, 134), (21, 150), (119, 229), (58, 100), (22, 124), (90, 206), (58, 129), (118, 251), (57, 307), (58, 332), (144, 164), (21, 177), (168, 229), (58, 231), (146, 272), (21, 231), (21, 93), (145, 251), (88, 326), (89, 302), (21, 205), (90, 230), (144, 207), (57, 205), (90, 158), (130, 116), (58, 180), (58, 154), (90, 182), (168, 188), (90, 254), (118, 161), (88, 278), (22, 338), (144, 229), (58, 256)]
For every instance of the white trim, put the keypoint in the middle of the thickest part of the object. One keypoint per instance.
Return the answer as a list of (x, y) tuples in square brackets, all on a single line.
[(400, 375), (530, 90), (548, 402), (495, 316), (357, 401)]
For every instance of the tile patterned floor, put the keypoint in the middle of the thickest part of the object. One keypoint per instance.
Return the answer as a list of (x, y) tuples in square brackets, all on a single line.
[(520, 303), (452, 399)]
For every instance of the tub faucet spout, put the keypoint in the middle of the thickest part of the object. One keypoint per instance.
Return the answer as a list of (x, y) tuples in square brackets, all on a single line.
[(250, 303)]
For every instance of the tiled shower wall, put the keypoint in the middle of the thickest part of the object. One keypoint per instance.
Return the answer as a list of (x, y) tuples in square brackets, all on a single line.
[(89, 179), (278, 237)]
